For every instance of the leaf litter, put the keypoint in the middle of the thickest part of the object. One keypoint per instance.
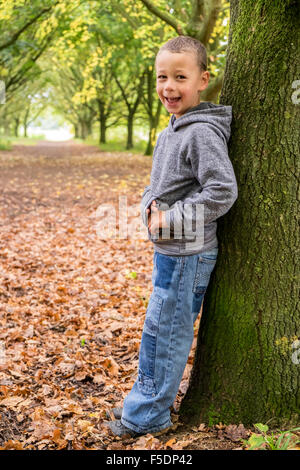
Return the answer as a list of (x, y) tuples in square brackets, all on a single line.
[(73, 304)]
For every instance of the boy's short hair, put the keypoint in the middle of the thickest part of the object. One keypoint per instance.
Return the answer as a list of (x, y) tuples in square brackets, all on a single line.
[(187, 43)]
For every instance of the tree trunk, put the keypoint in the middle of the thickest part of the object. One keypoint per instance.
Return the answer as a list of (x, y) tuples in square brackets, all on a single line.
[(151, 137), (246, 368), (102, 139), (153, 124), (89, 127), (102, 122), (129, 144), (25, 121), (25, 129), (6, 127), (82, 129), (16, 127), (76, 131)]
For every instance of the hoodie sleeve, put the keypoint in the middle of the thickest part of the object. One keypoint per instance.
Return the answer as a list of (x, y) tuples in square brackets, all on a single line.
[(147, 199), (147, 196), (211, 166)]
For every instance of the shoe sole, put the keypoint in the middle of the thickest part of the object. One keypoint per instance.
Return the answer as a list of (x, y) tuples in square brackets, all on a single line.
[(154, 434), (164, 431)]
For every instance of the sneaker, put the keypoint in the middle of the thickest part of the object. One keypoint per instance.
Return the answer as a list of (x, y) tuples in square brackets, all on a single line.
[(117, 412), (122, 431)]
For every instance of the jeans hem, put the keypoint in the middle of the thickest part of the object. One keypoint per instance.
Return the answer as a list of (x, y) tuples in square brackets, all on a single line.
[(135, 428)]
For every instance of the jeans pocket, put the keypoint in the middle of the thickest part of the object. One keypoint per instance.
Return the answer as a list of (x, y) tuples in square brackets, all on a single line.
[(147, 353), (205, 265), (153, 314)]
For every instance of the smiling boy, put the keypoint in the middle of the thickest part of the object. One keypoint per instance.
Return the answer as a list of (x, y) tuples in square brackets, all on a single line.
[(192, 185)]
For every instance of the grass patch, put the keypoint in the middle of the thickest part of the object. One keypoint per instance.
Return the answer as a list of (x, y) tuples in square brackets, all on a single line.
[(283, 440), (11, 140), (5, 144), (115, 146)]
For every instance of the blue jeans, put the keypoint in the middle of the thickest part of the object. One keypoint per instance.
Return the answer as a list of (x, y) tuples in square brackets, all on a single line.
[(179, 285)]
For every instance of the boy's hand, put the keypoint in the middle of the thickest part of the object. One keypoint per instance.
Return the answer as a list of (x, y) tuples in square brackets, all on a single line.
[(156, 218)]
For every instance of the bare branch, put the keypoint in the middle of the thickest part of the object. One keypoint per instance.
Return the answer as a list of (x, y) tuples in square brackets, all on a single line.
[(198, 11), (26, 25), (210, 21), (166, 17)]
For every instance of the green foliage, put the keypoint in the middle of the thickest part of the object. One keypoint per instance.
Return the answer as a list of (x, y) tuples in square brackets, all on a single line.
[(97, 56), (264, 441), (5, 144), (24, 140), (116, 145)]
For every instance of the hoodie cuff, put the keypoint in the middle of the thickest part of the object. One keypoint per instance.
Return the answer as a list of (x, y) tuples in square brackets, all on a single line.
[(145, 206)]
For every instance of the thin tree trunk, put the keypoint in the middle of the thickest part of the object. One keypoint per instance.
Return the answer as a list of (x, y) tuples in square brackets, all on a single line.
[(246, 368), (151, 136), (25, 120), (102, 139), (102, 122), (153, 124), (16, 127), (82, 130), (129, 143), (7, 130), (76, 132)]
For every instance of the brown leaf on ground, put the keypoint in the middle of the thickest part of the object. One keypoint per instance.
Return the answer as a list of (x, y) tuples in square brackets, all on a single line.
[(235, 433), (71, 313)]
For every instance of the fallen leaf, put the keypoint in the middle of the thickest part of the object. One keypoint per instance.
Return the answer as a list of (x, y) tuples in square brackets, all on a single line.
[(235, 433)]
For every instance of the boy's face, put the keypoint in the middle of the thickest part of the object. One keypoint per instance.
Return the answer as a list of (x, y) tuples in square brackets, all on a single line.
[(178, 76)]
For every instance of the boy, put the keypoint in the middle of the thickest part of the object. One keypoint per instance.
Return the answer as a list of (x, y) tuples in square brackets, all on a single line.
[(192, 184)]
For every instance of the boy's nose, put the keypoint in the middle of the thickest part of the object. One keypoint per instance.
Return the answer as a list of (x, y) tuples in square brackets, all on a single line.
[(169, 85)]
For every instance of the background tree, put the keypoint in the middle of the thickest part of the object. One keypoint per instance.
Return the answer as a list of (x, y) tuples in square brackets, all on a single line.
[(106, 50), (245, 368), (27, 30)]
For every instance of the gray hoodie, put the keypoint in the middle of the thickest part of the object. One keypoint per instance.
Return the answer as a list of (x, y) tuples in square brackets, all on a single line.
[(192, 179)]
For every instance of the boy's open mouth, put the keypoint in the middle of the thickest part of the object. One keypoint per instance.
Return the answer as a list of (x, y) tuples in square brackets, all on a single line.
[(172, 100)]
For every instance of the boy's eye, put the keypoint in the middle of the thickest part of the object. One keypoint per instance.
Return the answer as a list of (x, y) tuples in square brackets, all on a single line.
[(178, 76)]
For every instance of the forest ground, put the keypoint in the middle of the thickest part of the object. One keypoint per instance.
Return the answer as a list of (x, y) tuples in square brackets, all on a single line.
[(73, 304)]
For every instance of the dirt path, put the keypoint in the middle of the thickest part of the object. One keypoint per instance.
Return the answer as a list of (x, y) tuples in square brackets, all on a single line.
[(71, 313)]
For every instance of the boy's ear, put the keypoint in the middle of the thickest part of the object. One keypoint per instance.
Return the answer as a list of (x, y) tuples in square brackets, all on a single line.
[(204, 80)]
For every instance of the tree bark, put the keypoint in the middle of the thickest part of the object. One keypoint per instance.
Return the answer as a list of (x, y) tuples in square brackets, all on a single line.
[(129, 143), (153, 125), (76, 131), (102, 122), (102, 133), (246, 367), (16, 126), (149, 101)]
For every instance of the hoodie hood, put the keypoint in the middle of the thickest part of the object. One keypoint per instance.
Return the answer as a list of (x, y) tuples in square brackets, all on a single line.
[(217, 115)]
